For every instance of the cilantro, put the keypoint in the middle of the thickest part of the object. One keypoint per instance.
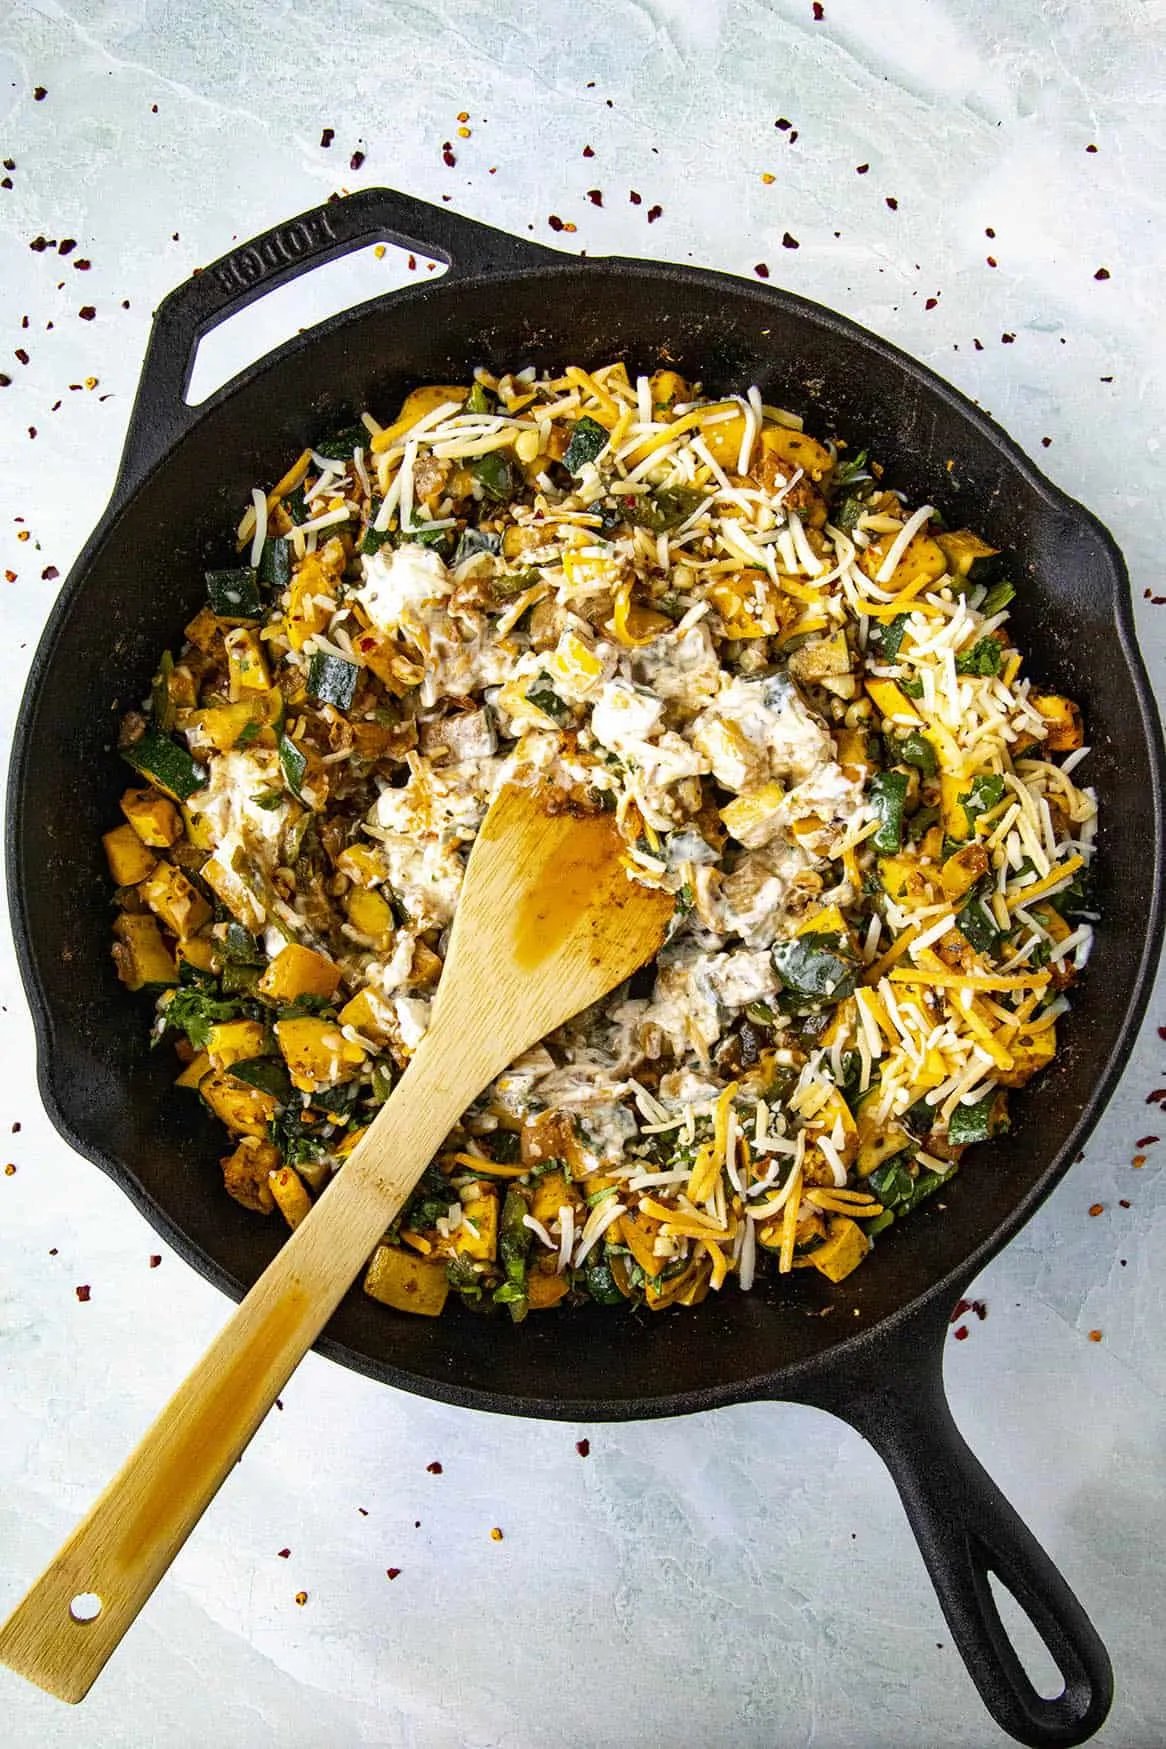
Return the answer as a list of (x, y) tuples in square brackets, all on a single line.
[(983, 658), (194, 1008), (339, 447), (846, 472), (978, 925), (912, 688)]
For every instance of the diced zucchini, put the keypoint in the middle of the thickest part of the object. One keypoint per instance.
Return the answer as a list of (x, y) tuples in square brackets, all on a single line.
[(275, 563), (171, 897), (142, 958), (234, 595), (494, 473), (588, 441), (167, 764), (299, 971), (969, 556), (407, 1282), (154, 818), (332, 681), (130, 861), (888, 798)]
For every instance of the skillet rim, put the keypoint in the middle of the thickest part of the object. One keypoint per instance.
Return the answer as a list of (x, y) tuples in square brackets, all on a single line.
[(789, 1380)]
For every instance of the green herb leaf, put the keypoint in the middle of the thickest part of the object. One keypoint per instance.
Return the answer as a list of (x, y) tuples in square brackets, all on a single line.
[(916, 749), (890, 637), (814, 969), (983, 658), (978, 925), (846, 472), (195, 1008), (600, 1284), (986, 793), (888, 798)]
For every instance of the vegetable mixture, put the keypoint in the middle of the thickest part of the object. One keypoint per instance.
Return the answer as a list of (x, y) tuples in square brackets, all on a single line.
[(800, 701)]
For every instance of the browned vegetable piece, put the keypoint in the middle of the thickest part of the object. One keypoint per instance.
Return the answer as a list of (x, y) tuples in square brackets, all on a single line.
[(291, 1198), (1062, 720), (299, 971), (171, 897), (245, 1110), (317, 1053), (139, 953), (246, 1173)]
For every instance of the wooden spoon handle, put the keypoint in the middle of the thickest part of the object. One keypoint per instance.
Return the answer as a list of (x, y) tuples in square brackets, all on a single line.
[(70, 1622)]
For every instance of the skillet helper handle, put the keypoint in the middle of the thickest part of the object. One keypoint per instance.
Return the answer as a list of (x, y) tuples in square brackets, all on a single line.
[(966, 1530), (160, 414), (74, 1617)]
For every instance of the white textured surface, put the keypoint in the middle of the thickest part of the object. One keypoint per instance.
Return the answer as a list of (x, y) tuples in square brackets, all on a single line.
[(743, 1578)]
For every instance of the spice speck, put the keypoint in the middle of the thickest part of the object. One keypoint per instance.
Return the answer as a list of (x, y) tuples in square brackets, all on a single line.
[(583, 1447), (496, 1535), (435, 1469), (82, 1292), (327, 137), (789, 241), (301, 1598), (761, 270), (1095, 1335), (1097, 1208), (1102, 273), (393, 1572)]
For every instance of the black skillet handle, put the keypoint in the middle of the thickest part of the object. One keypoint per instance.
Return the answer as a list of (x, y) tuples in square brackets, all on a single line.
[(160, 414), (966, 1529)]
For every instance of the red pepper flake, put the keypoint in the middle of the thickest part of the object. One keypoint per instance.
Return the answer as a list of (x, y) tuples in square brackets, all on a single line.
[(568, 226), (83, 264), (1138, 1161), (356, 160), (583, 1447), (991, 260), (819, 11), (1161, 1029), (448, 156), (10, 163), (961, 1335), (23, 534), (66, 246), (10, 576), (21, 354), (1102, 273), (1046, 442), (82, 1293), (301, 1598), (636, 199), (654, 212), (789, 241), (1122, 1203), (588, 152), (1146, 1141), (761, 270), (784, 125), (1095, 1335), (327, 137), (980, 1308), (931, 303), (595, 196), (1097, 1208), (1007, 339), (892, 202), (53, 1252), (87, 312), (39, 245), (555, 222), (435, 1469), (978, 344), (961, 1306), (279, 1404), (32, 431), (155, 1259), (50, 575), (1091, 148), (6, 182), (39, 94), (16, 1128), (284, 1554), (1158, 1097), (5, 381), (861, 169), (496, 1535), (393, 1572)]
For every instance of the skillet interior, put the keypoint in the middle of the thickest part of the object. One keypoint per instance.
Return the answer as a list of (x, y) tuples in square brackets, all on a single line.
[(141, 579)]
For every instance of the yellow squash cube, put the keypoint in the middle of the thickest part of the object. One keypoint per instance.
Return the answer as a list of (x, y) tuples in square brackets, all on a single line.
[(130, 861), (843, 1250), (141, 956), (367, 1014), (317, 1053), (171, 897), (153, 817), (371, 914), (407, 1282), (299, 971), (245, 1110), (291, 1198), (246, 663), (481, 1245), (235, 1041)]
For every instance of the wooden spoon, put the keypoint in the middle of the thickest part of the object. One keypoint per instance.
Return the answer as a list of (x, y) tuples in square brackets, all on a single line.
[(548, 922)]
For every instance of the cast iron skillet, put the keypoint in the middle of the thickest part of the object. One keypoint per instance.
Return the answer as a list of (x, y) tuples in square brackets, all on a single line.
[(868, 1350)]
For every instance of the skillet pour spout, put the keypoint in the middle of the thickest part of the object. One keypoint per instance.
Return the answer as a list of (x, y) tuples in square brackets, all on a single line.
[(506, 302)]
